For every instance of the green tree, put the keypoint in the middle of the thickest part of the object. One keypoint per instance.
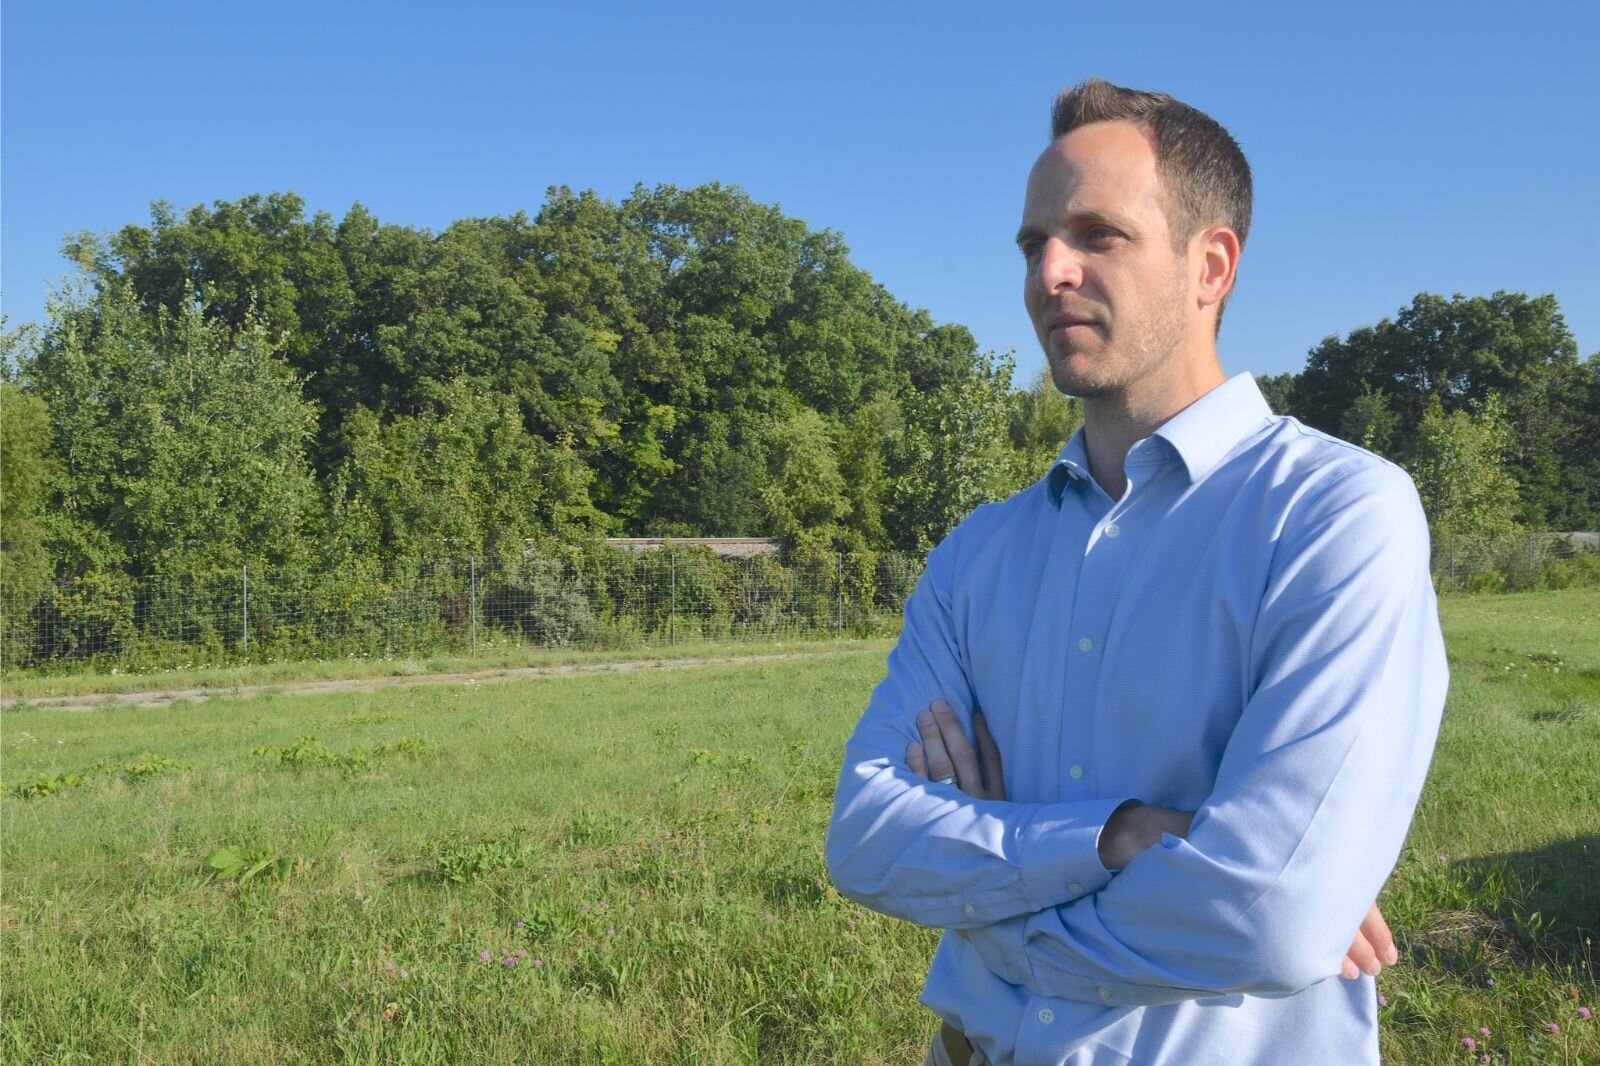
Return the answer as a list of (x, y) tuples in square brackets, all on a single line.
[(1042, 420), (665, 344), (805, 498), (25, 476), (1461, 352), (1278, 390), (1457, 463), (182, 442), (1371, 423), (460, 478), (954, 454)]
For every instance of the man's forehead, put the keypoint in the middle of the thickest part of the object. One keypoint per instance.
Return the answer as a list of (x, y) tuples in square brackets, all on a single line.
[(1100, 168)]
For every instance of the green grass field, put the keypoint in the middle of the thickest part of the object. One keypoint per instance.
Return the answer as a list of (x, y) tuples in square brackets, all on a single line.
[(626, 868)]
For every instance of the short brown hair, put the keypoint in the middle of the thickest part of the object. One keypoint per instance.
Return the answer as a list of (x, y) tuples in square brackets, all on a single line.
[(1202, 170)]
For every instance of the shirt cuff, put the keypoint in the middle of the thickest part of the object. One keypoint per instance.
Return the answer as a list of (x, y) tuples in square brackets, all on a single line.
[(1060, 852)]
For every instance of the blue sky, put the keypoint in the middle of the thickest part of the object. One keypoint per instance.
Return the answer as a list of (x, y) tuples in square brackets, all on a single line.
[(1397, 148)]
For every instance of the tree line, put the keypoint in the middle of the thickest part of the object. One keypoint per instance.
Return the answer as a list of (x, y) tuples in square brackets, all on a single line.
[(243, 384)]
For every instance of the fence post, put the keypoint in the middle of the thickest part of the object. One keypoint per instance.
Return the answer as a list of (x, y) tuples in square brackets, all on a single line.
[(839, 561), (244, 608), (472, 598), (672, 571)]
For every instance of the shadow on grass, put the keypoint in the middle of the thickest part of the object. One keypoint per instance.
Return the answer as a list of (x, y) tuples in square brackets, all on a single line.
[(1533, 908)]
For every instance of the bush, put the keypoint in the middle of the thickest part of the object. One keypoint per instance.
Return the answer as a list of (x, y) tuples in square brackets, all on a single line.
[(1582, 571), (544, 604)]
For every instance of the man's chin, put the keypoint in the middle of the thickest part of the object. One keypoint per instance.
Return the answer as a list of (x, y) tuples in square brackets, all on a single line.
[(1080, 382)]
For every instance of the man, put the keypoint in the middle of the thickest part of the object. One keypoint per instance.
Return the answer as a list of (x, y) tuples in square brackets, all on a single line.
[(1206, 645)]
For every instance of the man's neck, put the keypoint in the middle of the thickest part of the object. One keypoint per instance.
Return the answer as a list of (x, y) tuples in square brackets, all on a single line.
[(1114, 422)]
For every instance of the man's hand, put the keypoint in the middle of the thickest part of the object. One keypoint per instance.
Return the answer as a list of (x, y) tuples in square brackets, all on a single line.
[(1372, 949), (946, 753), (1134, 828)]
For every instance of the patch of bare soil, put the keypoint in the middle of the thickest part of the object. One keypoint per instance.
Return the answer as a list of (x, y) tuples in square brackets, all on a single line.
[(108, 700)]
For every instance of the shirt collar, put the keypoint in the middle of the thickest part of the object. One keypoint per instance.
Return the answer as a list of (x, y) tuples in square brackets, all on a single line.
[(1202, 434), (1072, 466), (1207, 430)]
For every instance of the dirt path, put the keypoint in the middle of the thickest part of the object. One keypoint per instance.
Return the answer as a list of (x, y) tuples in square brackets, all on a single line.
[(94, 701)]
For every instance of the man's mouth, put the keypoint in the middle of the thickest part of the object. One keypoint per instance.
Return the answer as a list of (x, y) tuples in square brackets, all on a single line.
[(1064, 322)]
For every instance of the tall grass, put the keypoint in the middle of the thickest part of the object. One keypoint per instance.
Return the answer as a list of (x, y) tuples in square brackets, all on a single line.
[(625, 869)]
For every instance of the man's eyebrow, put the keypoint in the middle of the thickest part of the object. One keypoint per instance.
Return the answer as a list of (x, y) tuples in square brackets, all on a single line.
[(1076, 217)]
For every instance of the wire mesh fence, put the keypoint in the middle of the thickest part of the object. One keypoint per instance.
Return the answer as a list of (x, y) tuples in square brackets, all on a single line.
[(1519, 562), (605, 599), (594, 600)]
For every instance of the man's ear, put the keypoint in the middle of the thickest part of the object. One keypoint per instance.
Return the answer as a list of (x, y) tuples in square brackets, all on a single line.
[(1218, 254)]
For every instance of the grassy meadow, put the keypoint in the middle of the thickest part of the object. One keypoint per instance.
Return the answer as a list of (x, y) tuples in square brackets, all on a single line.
[(626, 869)]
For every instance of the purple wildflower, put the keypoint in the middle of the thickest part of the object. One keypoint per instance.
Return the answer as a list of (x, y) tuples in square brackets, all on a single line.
[(1468, 1043), (1585, 1013), (1483, 1030), (484, 955), (1553, 1027)]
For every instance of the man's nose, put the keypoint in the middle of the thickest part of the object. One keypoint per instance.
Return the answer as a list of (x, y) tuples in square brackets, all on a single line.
[(1059, 266)]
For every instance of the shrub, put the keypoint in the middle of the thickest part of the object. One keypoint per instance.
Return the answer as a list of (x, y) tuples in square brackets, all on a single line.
[(1582, 571), (543, 604)]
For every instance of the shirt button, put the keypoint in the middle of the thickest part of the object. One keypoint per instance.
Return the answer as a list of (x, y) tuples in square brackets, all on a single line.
[(1112, 531), (1076, 771), (1086, 644), (1046, 1016), (968, 910), (1103, 993), (1075, 888)]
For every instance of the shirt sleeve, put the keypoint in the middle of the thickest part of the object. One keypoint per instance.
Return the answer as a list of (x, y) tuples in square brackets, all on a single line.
[(1313, 796), (928, 853)]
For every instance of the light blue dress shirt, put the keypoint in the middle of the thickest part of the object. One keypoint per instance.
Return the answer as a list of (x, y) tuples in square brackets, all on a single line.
[(1249, 633)]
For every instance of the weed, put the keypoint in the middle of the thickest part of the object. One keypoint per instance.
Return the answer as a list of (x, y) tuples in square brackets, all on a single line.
[(141, 766), (460, 863), (307, 752), (240, 866)]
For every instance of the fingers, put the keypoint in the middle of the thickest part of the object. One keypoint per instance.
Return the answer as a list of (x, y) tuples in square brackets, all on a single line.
[(1360, 958), (1376, 930), (945, 752), (962, 754), (1372, 948), (937, 759), (916, 761), (994, 781)]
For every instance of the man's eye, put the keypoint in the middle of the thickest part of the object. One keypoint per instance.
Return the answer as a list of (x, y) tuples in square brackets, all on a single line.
[(1030, 250), (1101, 234)]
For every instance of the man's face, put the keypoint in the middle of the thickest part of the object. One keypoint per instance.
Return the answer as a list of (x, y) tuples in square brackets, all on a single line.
[(1108, 294)]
